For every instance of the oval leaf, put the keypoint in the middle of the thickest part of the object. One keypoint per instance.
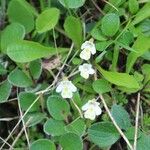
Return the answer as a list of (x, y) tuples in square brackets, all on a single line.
[(47, 20), (103, 134), (26, 99), (110, 24), (71, 141), (57, 107), (19, 78), (5, 89), (54, 127), (72, 4), (121, 116), (73, 28), (26, 51), (21, 12), (11, 33), (43, 144), (101, 86)]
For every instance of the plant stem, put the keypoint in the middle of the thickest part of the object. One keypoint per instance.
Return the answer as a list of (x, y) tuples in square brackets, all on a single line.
[(115, 57), (81, 115), (136, 121), (114, 122)]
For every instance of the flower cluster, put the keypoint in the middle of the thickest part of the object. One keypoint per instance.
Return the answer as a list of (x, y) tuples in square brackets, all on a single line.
[(91, 109)]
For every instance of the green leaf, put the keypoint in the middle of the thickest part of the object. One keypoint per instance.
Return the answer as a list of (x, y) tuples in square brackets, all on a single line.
[(71, 141), (43, 144), (101, 86), (26, 99), (146, 72), (143, 142), (72, 4), (101, 46), (58, 108), (130, 133), (10, 34), (145, 26), (26, 51), (54, 127), (47, 20), (2, 70), (97, 34), (142, 14), (22, 12), (119, 79), (121, 116), (19, 78), (77, 126), (110, 24), (141, 45), (115, 3), (34, 118), (126, 38), (5, 89), (73, 28), (35, 68), (103, 134), (133, 6)]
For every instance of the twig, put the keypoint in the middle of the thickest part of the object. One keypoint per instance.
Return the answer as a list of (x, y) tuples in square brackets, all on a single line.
[(56, 78), (136, 121), (98, 8), (111, 5), (9, 119), (5, 142), (20, 133), (19, 121), (114, 122), (23, 123), (81, 115)]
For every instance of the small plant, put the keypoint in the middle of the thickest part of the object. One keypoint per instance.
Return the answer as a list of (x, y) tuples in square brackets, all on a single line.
[(74, 74)]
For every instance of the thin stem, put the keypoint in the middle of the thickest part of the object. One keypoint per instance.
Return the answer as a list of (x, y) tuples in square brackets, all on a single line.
[(110, 5), (81, 115), (10, 134), (136, 121), (114, 122), (98, 8), (115, 57), (23, 123), (18, 136), (6, 142)]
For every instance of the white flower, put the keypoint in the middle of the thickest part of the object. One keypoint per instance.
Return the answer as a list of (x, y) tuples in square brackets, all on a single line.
[(88, 48), (91, 109), (66, 88), (86, 70)]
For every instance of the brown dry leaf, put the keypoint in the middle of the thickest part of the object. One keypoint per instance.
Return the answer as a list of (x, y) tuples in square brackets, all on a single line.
[(51, 63)]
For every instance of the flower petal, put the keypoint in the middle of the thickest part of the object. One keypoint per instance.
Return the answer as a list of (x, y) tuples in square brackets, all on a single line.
[(98, 110), (93, 49), (66, 94), (89, 114), (84, 74), (85, 54), (72, 87), (91, 71), (85, 107), (59, 87)]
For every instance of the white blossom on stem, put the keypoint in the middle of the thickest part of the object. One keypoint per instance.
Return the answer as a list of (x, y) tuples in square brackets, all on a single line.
[(88, 48), (86, 70), (91, 109), (66, 88)]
